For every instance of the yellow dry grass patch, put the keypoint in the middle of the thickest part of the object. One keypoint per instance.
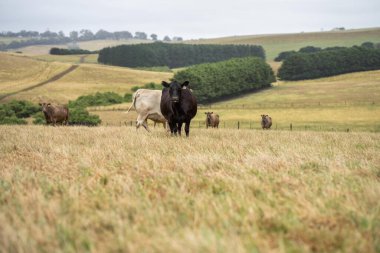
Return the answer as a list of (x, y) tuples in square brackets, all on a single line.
[(17, 72), (21, 72), (80, 189)]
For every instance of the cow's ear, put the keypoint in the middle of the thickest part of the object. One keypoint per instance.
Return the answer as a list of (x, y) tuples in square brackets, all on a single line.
[(165, 84), (186, 83), (40, 104)]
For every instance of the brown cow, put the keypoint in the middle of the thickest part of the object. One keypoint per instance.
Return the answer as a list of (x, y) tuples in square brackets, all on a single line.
[(212, 120), (266, 121), (55, 113)]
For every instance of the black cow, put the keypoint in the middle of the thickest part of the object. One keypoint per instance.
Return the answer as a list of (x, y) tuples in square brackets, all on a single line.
[(178, 105)]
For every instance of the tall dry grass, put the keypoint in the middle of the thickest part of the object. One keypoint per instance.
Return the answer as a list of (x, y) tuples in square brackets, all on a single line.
[(109, 189)]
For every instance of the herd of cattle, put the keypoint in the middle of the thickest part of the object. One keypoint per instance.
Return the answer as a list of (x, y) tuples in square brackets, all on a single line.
[(175, 105)]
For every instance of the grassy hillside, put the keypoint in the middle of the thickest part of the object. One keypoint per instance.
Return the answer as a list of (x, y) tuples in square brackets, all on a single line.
[(276, 43), (17, 72), (74, 189), (21, 72), (89, 79)]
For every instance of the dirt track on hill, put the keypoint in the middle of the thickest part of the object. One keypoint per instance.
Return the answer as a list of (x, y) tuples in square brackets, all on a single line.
[(52, 79)]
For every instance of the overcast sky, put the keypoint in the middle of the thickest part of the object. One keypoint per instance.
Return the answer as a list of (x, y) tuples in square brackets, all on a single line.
[(190, 18)]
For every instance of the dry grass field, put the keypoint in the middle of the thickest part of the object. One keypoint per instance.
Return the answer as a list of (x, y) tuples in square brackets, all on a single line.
[(18, 72), (112, 189)]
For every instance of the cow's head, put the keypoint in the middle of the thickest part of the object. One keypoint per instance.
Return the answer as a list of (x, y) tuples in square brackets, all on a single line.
[(175, 90), (44, 106), (208, 117)]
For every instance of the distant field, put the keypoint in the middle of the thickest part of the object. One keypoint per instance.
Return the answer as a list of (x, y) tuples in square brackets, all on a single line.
[(89, 58), (276, 43), (89, 45), (350, 101), (81, 189)]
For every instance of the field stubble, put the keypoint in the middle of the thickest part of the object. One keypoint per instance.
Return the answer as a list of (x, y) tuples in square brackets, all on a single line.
[(114, 189)]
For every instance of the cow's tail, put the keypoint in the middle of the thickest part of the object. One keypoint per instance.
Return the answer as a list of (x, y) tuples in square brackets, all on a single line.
[(135, 96)]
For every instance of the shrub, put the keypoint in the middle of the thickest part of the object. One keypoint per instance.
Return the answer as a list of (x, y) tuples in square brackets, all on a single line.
[(80, 116), (13, 120), (128, 97), (39, 118), (212, 81), (14, 112), (107, 98), (21, 108)]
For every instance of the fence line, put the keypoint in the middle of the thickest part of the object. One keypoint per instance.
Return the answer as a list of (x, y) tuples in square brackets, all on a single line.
[(255, 125), (256, 106)]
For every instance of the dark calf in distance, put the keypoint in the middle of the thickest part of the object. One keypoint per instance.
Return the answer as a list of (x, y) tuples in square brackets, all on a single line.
[(266, 121), (212, 119)]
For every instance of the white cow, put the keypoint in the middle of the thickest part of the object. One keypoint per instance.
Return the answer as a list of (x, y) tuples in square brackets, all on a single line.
[(147, 105)]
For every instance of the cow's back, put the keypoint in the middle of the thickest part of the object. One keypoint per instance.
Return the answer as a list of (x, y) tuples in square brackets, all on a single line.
[(148, 100)]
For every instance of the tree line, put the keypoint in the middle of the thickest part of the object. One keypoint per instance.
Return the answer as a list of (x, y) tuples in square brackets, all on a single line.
[(27, 38), (63, 51), (174, 55), (311, 49), (329, 62), (215, 81)]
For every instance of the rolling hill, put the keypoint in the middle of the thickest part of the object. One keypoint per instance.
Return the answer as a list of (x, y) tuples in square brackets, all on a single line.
[(18, 73), (276, 43)]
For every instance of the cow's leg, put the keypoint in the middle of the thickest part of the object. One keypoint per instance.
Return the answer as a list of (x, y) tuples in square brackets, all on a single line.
[(141, 121), (180, 127), (172, 126), (187, 128), (145, 125)]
